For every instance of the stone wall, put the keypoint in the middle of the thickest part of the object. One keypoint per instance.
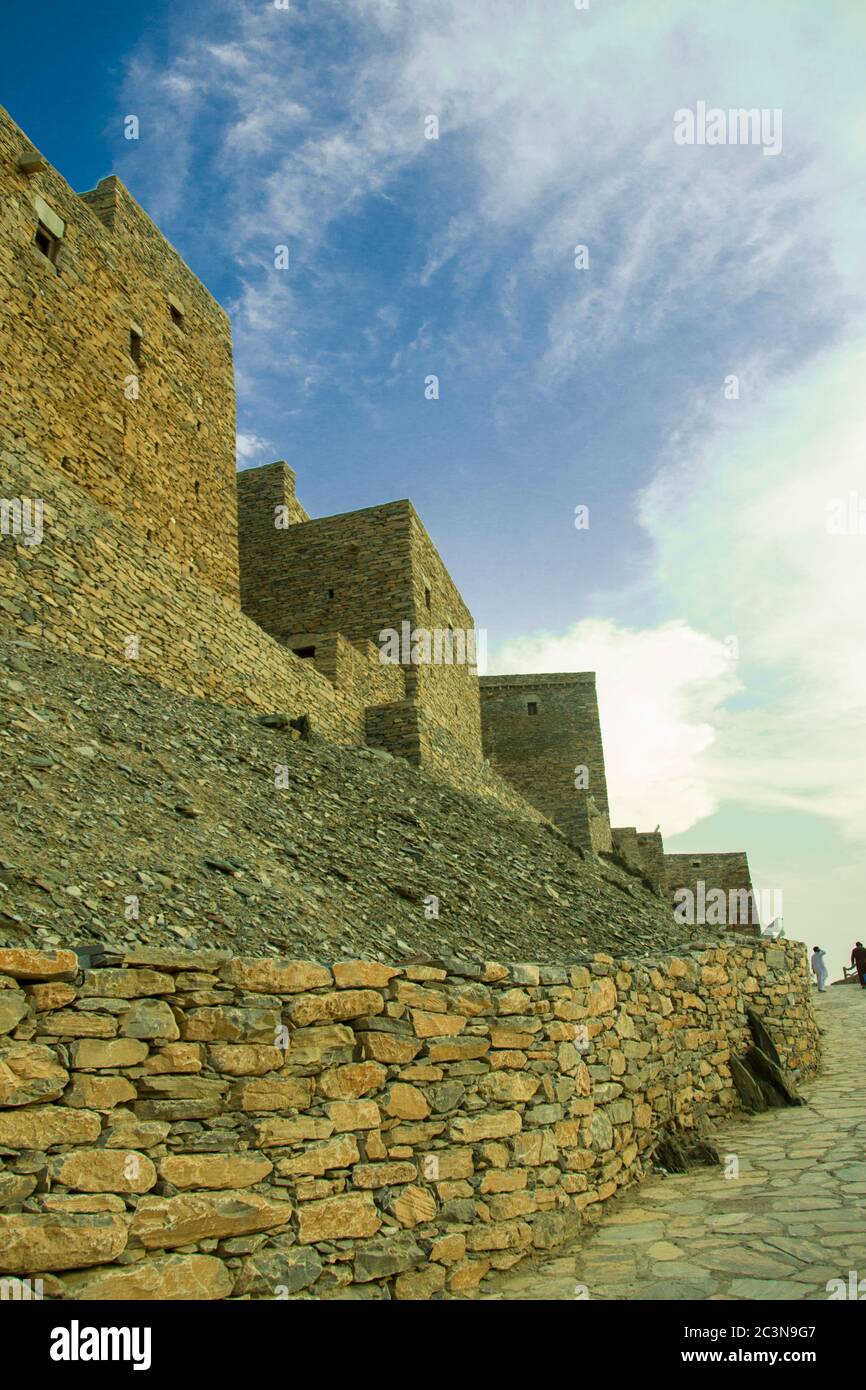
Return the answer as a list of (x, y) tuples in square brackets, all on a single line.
[(538, 730), (349, 573), (625, 845), (358, 574), (643, 851), (446, 691), (190, 1125), (652, 856), (91, 584), (261, 492), (116, 363)]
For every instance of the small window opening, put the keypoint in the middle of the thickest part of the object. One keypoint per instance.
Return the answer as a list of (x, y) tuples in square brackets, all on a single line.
[(197, 488), (150, 535), (176, 315), (330, 593), (696, 863), (47, 243), (305, 652), (531, 707), (135, 346), (427, 597)]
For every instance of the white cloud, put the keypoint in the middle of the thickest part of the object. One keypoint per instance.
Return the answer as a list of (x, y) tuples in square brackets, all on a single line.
[(742, 552), (250, 449), (743, 548), (661, 695)]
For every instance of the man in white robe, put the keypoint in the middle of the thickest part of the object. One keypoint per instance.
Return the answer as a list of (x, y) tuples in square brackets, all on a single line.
[(819, 968)]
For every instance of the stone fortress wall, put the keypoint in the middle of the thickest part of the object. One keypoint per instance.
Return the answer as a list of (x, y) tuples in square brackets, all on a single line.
[(195, 1125), (118, 415), (644, 852), (116, 363), (728, 873), (544, 734), (360, 574), (181, 1124)]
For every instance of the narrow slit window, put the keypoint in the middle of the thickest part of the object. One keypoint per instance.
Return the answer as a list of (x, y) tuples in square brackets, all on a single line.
[(135, 346), (176, 315), (531, 707), (427, 597), (330, 594), (47, 243)]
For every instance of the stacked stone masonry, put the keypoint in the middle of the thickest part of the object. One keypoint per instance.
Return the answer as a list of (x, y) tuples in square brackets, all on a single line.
[(196, 1125), (116, 363), (363, 574), (643, 851), (543, 733)]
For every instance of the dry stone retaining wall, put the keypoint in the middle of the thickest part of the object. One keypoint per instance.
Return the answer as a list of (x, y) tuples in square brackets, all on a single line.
[(194, 1125)]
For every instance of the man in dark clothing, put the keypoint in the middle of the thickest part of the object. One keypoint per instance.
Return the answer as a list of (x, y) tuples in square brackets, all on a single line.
[(858, 960)]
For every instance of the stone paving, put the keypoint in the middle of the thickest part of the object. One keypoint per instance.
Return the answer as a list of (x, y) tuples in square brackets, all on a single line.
[(794, 1217)]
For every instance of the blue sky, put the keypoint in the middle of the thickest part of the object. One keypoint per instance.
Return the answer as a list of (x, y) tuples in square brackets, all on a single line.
[(725, 623)]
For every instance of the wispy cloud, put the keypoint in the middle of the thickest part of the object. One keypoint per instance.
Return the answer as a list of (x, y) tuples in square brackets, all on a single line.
[(304, 115), (251, 449)]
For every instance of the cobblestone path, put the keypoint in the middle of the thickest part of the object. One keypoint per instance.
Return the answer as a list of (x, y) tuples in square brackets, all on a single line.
[(793, 1219)]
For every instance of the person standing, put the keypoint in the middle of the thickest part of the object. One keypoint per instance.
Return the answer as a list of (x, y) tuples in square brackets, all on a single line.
[(858, 960), (819, 968)]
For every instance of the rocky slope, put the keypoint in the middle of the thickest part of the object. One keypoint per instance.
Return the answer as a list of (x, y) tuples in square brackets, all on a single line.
[(118, 794)]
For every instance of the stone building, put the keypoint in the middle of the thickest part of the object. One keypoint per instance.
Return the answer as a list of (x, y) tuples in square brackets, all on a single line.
[(362, 576), (116, 362), (643, 851), (543, 733), (118, 415), (713, 889)]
